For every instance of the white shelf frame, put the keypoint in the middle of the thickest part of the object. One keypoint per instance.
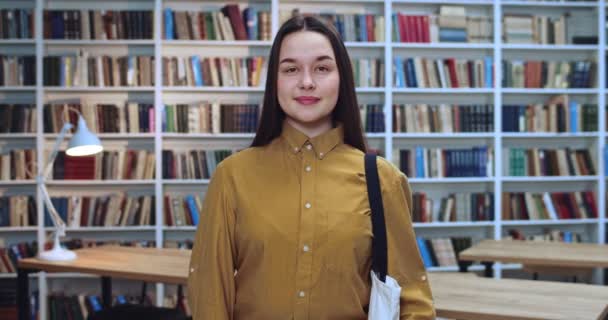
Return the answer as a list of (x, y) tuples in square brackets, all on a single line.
[(161, 140)]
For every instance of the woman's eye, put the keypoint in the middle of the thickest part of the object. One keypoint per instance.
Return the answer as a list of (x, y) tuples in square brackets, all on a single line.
[(323, 68), (289, 70)]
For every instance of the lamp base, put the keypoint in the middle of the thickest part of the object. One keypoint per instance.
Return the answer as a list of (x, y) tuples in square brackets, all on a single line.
[(57, 254)]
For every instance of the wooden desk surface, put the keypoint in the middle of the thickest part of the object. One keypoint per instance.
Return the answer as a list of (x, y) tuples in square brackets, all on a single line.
[(586, 255), (461, 296), (145, 264)]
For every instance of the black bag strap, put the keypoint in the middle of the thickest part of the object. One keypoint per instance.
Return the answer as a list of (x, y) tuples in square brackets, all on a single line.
[(379, 249)]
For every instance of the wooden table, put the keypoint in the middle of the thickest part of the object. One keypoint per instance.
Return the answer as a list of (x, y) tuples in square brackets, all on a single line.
[(145, 264), (535, 253), (458, 295), (467, 296)]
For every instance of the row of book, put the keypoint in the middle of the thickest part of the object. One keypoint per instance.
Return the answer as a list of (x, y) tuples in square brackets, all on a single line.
[(535, 29), (82, 70), (442, 27), (368, 72), (362, 27), (17, 211), (440, 163), (110, 210), (192, 164), (441, 252), (228, 24), (182, 210), (211, 117), (16, 24), (548, 74), (18, 164), (549, 162), (554, 235), (443, 118), (549, 205), (476, 206), (126, 117), (372, 117), (557, 115), (17, 70), (17, 118), (106, 165), (214, 71), (98, 24), (420, 72)]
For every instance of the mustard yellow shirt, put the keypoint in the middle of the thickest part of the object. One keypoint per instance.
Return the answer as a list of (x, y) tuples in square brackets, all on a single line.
[(292, 219)]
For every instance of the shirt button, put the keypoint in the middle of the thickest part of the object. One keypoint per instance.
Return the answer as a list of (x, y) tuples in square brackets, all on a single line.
[(306, 248), (309, 147), (302, 294), (296, 149), (307, 205), (423, 278), (320, 154), (191, 270), (308, 168)]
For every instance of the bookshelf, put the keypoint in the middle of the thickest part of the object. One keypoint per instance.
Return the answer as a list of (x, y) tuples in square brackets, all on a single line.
[(387, 94)]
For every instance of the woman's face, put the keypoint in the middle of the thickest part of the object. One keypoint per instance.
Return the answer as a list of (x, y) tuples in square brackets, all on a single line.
[(308, 81)]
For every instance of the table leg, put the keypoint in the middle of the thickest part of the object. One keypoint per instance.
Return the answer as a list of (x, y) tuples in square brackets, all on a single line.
[(23, 293), (463, 266), (489, 272), (106, 291)]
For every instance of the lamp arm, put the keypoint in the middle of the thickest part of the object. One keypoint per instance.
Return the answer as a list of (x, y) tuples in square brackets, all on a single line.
[(49, 165), (55, 217)]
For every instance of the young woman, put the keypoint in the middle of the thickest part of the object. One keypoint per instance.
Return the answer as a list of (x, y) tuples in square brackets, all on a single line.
[(285, 231)]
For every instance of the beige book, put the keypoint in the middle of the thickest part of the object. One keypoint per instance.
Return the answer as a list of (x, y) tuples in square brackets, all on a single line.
[(150, 166), (181, 72), (145, 211), (189, 71), (140, 164), (194, 23), (215, 118), (421, 80), (219, 26), (85, 25), (562, 162)]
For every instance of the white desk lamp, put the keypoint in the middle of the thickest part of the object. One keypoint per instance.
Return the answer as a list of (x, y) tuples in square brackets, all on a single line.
[(83, 143)]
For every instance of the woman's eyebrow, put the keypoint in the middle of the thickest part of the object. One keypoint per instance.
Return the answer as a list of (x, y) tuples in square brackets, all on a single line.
[(319, 58)]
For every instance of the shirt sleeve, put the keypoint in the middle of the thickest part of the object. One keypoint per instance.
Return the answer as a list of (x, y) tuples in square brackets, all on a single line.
[(211, 288), (404, 261)]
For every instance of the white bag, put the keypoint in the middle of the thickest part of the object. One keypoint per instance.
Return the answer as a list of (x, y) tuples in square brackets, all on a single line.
[(384, 299)]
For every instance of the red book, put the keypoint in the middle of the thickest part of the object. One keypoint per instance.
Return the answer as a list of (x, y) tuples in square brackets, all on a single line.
[(402, 28), (369, 21), (426, 30), (453, 75)]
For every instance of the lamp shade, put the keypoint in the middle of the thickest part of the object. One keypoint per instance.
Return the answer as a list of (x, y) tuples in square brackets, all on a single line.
[(83, 143)]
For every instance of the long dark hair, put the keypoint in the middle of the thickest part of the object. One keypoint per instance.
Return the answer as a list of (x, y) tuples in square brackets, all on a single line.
[(347, 108)]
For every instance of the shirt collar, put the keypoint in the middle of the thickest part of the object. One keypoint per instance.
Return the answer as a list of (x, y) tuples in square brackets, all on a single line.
[(321, 144)]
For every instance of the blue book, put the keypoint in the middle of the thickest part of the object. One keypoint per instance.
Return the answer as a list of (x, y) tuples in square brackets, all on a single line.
[(396, 33), (400, 75), (163, 116), (567, 236), (94, 303), (58, 25), (411, 74), (420, 162), (424, 252), (362, 27), (120, 299), (169, 33), (193, 209), (196, 69), (573, 116), (250, 16), (605, 161), (489, 75), (452, 35)]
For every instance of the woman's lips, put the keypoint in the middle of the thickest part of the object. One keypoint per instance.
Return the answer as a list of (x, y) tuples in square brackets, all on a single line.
[(307, 100)]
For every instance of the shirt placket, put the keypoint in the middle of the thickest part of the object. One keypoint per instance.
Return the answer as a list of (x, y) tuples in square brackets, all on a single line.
[(306, 234)]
